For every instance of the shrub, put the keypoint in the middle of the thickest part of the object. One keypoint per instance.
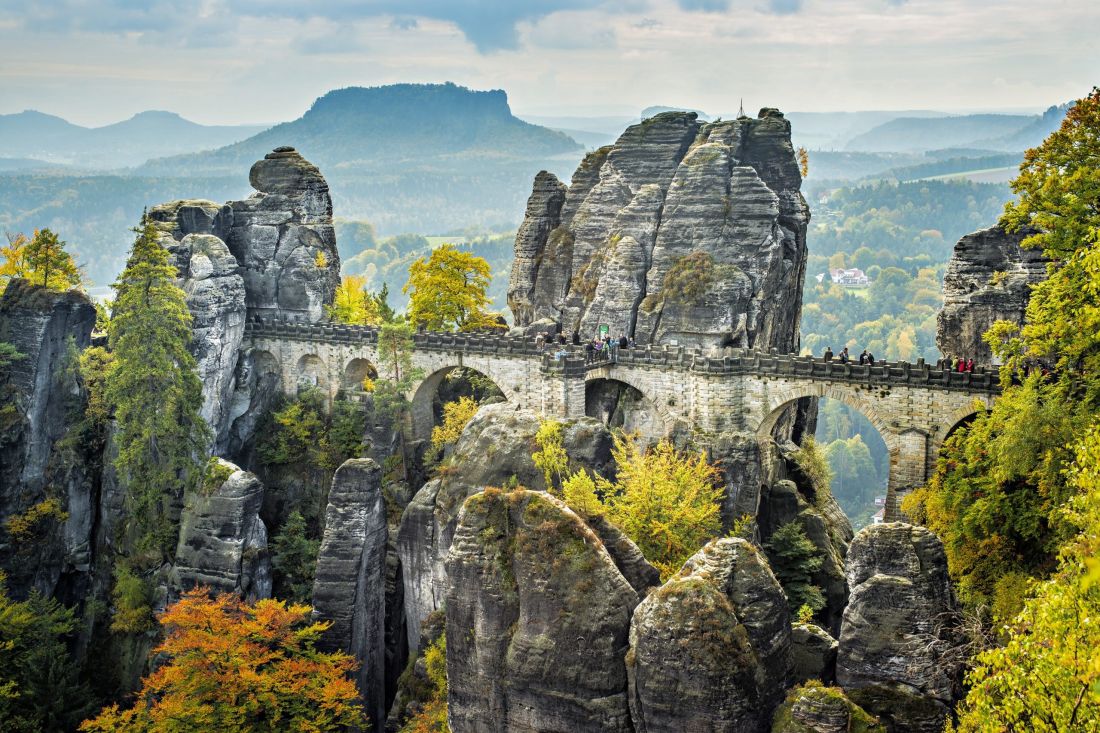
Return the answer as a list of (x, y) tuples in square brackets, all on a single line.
[(794, 559)]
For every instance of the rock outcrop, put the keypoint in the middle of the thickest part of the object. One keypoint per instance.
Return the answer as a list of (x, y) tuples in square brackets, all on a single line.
[(814, 708), (494, 450), (211, 279), (283, 237), (222, 540), (989, 278), (349, 587), (896, 626), (40, 404), (813, 653), (710, 649), (537, 620), (680, 231)]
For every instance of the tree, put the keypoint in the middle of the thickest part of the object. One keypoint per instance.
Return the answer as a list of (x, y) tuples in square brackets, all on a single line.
[(39, 688), (396, 377), (352, 303), (386, 313), (231, 666), (155, 394), (294, 560), (665, 500), (431, 717), (447, 291), (455, 417), (1059, 184), (551, 457), (14, 262), (1046, 675), (794, 559), (48, 264)]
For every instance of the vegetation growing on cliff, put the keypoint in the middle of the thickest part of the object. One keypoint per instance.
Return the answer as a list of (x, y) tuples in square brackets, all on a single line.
[(794, 559), (155, 394), (431, 715), (229, 665), (41, 260)]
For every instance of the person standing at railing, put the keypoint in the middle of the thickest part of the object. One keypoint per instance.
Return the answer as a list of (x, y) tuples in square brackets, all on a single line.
[(828, 354), (870, 359), (863, 357), (844, 355)]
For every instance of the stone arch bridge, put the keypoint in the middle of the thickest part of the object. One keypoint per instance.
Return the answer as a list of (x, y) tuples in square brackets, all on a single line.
[(914, 407)]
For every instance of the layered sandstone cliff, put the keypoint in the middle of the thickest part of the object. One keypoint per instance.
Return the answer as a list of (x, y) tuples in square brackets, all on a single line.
[(681, 231)]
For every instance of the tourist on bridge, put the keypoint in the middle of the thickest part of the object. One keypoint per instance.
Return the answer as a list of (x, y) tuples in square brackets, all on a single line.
[(844, 358), (863, 357), (589, 351), (576, 337), (623, 343), (540, 340), (870, 358), (828, 354)]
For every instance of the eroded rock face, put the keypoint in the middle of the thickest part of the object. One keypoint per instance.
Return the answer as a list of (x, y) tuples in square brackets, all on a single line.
[(222, 540), (349, 587), (813, 653), (710, 649), (988, 278), (818, 709), (680, 231), (211, 279), (494, 449), (537, 620), (42, 400), (283, 237), (893, 627)]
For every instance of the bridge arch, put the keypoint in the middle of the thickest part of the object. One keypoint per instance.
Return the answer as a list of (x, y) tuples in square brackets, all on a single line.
[(643, 414), (422, 398), (779, 401), (311, 372), (356, 371)]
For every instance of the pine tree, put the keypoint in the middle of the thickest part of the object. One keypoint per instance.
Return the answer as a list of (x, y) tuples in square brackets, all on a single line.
[(48, 264), (794, 559), (294, 560), (155, 393)]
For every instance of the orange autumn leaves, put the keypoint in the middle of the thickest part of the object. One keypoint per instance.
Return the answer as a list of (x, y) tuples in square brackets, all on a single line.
[(240, 668)]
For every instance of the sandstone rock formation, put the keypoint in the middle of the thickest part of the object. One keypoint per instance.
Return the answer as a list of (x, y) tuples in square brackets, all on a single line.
[(813, 653), (988, 278), (41, 402), (537, 620), (814, 708), (494, 450), (222, 540), (710, 649), (889, 661), (283, 238), (680, 231), (211, 279), (349, 585)]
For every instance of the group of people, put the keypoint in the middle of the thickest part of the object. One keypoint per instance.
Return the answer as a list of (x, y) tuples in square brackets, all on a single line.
[(957, 364), (845, 358), (596, 348)]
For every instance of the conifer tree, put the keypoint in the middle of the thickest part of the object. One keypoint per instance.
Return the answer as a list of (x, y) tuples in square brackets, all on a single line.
[(154, 391)]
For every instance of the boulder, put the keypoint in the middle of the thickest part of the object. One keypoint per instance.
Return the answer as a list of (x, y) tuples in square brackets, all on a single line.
[(41, 401), (896, 626), (349, 587), (222, 540), (814, 708), (710, 649), (494, 450), (989, 278), (537, 620), (813, 653), (680, 232)]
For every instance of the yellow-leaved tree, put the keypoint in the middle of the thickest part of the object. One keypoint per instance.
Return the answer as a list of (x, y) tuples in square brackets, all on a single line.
[(1046, 675), (41, 260), (353, 303), (665, 500), (455, 416), (231, 666), (447, 291)]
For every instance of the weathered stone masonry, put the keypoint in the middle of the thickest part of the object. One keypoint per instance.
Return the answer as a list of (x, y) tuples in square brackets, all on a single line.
[(913, 406)]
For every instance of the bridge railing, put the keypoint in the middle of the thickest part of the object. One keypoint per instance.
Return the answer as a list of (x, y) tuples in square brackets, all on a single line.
[(726, 361)]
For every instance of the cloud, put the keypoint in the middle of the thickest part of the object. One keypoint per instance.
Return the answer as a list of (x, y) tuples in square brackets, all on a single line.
[(784, 7), (706, 6), (402, 23)]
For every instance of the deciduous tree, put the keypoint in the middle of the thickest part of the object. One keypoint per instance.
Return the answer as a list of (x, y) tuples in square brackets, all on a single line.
[(447, 291), (353, 304), (230, 666)]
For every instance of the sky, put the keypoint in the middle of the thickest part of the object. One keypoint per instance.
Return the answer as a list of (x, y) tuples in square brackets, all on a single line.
[(255, 61)]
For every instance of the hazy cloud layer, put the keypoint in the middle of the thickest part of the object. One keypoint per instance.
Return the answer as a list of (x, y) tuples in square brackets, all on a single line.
[(265, 60)]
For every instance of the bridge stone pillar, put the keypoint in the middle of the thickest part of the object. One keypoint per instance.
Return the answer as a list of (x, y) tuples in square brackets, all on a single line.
[(908, 468), (561, 390)]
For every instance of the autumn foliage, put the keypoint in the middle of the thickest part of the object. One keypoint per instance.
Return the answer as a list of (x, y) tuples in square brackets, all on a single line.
[(231, 666)]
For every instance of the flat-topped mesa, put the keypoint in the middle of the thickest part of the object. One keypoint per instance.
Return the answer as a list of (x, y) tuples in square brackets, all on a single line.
[(682, 231)]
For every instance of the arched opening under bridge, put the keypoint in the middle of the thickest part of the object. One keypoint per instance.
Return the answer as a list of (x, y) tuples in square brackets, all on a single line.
[(618, 404), (445, 385)]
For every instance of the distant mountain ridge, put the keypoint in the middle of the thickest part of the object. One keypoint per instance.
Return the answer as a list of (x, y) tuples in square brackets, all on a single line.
[(378, 126), (1000, 132), (42, 137)]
